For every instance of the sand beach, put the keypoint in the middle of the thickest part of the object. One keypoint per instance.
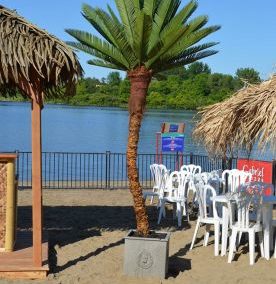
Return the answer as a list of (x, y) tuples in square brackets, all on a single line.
[(86, 230)]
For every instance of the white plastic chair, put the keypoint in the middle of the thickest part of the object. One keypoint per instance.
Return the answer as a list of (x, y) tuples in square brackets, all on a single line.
[(154, 175), (185, 191), (158, 174), (193, 171), (207, 216), (245, 202), (232, 179), (174, 193)]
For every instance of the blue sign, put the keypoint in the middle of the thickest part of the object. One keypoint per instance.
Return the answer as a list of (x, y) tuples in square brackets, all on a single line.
[(172, 142), (173, 128)]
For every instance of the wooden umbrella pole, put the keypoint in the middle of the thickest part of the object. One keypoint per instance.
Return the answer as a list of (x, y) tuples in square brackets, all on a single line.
[(36, 182)]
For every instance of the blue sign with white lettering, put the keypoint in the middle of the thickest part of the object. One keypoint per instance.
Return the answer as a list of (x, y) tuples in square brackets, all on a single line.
[(172, 143)]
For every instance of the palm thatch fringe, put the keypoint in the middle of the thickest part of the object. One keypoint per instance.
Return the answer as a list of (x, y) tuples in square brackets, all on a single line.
[(33, 54), (249, 116)]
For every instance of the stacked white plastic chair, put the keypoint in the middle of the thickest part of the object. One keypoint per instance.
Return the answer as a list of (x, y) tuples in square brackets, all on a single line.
[(174, 192), (193, 171), (245, 202), (207, 215), (159, 175)]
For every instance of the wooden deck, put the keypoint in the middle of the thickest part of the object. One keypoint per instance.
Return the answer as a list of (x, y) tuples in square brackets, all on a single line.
[(19, 263)]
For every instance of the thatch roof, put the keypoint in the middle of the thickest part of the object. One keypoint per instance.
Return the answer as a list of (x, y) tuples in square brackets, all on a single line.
[(32, 54), (248, 117)]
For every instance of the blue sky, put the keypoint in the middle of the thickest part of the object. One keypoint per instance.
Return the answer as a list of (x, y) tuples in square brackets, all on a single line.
[(247, 37)]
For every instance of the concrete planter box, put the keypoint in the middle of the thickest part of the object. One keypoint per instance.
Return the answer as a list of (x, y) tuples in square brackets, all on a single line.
[(146, 257)]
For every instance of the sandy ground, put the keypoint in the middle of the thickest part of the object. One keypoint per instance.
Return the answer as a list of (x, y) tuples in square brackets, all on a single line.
[(86, 231)]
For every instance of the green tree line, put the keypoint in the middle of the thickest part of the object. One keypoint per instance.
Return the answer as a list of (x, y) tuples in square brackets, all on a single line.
[(181, 88)]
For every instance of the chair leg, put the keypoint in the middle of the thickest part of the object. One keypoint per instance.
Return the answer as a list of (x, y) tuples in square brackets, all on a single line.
[(207, 233), (261, 243), (232, 244), (179, 214), (161, 212), (195, 233), (185, 211), (164, 209), (239, 238), (238, 242), (216, 225), (251, 247), (174, 210)]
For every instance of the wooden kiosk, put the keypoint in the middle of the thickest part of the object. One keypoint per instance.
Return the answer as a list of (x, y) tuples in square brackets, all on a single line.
[(8, 200), (36, 64)]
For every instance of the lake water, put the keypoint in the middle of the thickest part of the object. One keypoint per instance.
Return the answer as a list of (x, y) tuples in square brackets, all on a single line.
[(85, 129), (88, 129)]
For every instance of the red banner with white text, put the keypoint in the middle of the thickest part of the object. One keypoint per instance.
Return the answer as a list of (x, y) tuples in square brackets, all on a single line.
[(260, 170)]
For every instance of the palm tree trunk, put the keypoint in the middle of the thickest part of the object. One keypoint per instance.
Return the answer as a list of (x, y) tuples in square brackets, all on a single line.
[(139, 80)]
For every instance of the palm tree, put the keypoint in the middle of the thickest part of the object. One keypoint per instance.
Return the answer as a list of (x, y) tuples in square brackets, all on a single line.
[(150, 36)]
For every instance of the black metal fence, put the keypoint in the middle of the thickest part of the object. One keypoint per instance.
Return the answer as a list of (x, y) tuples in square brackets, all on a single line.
[(103, 170)]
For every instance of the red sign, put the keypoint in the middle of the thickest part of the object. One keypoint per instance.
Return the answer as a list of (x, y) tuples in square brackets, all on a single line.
[(260, 170)]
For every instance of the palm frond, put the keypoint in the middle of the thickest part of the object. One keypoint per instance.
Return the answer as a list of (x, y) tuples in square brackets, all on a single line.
[(119, 38), (149, 7), (126, 10), (95, 53), (159, 20), (186, 41), (99, 45), (91, 15), (105, 64), (182, 60), (187, 51), (173, 39)]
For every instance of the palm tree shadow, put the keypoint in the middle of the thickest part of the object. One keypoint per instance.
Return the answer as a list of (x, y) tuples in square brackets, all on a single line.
[(69, 224)]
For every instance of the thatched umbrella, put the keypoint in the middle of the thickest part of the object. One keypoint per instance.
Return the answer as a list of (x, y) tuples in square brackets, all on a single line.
[(246, 118), (36, 64)]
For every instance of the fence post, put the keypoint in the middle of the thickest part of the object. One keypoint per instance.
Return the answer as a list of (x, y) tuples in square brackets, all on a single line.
[(17, 167), (191, 158), (230, 163), (224, 164), (107, 169)]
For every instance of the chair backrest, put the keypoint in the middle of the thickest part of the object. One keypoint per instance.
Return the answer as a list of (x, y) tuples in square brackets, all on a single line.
[(205, 177), (235, 178), (248, 203), (159, 175), (185, 180), (153, 171), (204, 193), (173, 185), (193, 169)]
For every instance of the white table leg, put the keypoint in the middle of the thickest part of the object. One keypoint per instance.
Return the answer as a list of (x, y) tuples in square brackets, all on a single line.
[(225, 224), (267, 216)]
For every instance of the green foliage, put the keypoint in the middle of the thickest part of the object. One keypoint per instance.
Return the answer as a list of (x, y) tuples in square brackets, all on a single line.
[(180, 88), (249, 75), (114, 78), (151, 33)]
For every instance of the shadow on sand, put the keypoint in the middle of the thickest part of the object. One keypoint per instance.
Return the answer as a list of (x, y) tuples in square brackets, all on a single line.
[(69, 224)]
